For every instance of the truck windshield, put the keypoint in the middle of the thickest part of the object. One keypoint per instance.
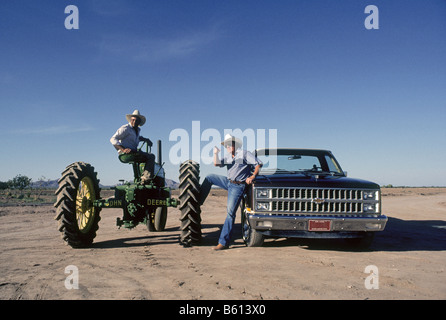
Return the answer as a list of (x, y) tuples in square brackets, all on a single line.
[(299, 163)]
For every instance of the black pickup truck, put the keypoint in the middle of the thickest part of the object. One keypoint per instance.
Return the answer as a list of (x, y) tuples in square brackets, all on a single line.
[(304, 193)]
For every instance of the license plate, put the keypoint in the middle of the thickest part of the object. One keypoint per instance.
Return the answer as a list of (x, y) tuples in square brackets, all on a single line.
[(319, 225)]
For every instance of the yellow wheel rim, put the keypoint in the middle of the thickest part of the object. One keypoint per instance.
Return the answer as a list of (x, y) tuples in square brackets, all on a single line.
[(85, 211)]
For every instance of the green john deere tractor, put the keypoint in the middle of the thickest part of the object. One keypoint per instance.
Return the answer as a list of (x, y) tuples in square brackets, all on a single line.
[(79, 202)]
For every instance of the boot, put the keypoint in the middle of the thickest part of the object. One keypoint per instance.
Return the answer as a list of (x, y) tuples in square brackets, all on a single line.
[(146, 177)]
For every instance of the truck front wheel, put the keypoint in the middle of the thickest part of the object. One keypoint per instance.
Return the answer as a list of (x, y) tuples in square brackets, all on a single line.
[(251, 237)]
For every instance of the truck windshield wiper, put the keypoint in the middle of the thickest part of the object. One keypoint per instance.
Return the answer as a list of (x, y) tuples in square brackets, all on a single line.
[(325, 173), (271, 171)]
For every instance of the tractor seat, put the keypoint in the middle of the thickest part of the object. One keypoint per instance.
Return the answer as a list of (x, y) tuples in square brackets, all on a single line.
[(132, 158)]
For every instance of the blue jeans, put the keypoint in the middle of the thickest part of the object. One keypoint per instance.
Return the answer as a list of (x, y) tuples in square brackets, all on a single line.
[(235, 193)]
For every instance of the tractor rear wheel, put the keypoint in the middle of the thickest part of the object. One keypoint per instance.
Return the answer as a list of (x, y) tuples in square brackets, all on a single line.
[(78, 218), (189, 203)]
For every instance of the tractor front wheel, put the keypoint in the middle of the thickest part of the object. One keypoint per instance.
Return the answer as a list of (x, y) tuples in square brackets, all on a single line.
[(156, 221), (78, 218)]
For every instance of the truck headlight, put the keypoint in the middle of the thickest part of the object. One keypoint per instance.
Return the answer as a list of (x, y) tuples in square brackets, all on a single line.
[(370, 195), (370, 207), (262, 205), (263, 193)]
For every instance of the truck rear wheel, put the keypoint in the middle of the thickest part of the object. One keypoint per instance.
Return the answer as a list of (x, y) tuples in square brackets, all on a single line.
[(189, 203), (78, 218)]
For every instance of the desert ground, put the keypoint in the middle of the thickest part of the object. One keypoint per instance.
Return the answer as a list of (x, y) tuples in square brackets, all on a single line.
[(410, 257)]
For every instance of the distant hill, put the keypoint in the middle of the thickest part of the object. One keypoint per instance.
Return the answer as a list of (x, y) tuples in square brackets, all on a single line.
[(172, 184), (50, 184)]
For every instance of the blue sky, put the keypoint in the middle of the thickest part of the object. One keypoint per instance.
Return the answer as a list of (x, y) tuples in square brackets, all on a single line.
[(310, 69)]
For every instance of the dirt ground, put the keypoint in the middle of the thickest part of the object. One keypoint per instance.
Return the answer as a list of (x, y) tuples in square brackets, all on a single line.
[(410, 257)]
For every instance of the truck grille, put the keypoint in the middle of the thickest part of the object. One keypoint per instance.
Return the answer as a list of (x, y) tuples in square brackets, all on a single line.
[(308, 201)]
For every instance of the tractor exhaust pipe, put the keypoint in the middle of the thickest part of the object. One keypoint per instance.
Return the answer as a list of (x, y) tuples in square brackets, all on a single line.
[(160, 160)]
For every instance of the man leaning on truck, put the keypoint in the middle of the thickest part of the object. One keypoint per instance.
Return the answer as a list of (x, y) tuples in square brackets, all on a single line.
[(243, 167)]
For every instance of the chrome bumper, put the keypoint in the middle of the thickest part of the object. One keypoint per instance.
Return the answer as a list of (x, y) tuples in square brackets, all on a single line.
[(301, 223)]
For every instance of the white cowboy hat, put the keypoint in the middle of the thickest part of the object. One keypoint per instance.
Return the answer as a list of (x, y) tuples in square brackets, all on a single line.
[(229, 138), (136, 114)]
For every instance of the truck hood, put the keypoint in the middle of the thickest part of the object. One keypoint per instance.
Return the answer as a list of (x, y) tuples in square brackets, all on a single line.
[(312, 181)]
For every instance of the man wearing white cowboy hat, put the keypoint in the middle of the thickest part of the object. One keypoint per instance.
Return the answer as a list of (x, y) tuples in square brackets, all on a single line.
[(127, 138), (243, 167)]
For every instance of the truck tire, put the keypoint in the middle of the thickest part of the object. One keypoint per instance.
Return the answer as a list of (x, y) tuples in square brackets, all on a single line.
[(250, 236), (189, 203), (78, 218)]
